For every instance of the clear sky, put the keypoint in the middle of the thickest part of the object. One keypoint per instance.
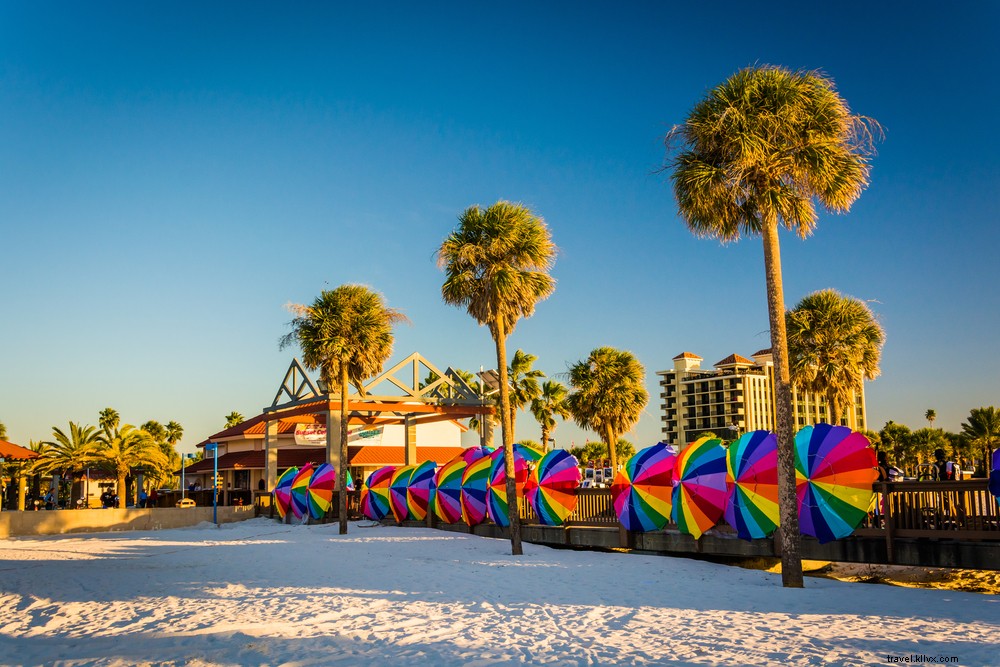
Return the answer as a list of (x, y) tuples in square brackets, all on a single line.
[(172, 174)]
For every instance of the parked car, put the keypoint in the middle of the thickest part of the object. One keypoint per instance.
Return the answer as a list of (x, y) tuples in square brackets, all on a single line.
[(185, 502)]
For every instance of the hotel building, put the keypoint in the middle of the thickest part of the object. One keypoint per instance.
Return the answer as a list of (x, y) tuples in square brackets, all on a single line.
[(735, 396)]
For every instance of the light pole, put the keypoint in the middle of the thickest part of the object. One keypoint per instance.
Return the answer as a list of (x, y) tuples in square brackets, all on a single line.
[(214, 447), (3, 489), (183, 468)]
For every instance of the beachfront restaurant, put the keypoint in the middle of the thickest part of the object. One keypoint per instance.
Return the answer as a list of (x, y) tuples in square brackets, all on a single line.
[(395, 421)]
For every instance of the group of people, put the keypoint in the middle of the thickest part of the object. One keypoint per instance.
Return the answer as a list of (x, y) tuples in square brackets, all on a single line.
[(940, 470)]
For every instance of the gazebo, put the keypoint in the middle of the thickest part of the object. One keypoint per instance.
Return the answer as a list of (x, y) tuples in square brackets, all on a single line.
[(303, 424), (11, 452)]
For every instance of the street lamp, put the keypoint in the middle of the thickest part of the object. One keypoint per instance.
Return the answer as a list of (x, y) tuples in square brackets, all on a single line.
[(214, 447), (183, 468)]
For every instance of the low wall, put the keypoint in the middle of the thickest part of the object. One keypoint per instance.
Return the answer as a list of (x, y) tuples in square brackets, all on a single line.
[(58, 522)]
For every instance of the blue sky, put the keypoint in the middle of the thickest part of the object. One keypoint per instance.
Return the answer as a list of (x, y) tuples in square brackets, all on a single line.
[(172, 174)]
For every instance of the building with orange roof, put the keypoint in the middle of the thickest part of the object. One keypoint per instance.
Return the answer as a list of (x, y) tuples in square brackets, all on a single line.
[(393, 421), (735, 396)]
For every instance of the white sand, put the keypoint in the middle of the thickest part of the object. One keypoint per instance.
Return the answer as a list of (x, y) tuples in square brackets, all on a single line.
[(259, 593)]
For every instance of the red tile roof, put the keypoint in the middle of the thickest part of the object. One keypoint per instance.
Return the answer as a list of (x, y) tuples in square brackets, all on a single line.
[(12, 452), (760, 352), (373, 455), (686, 355), (734, 359), (366, 455)]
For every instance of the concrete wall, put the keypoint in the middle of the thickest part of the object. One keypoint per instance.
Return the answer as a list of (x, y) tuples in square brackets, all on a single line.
[(58, 522)]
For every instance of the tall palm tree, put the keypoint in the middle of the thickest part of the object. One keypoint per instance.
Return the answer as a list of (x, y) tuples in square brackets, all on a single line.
[(983, 431), (233, 418), (834, 345), (756, 153), (122, 449), (109, 419), (496, 265), (70, 451), (347, 334), (930, 416), (608, 395), (550, 403), (523, 384)]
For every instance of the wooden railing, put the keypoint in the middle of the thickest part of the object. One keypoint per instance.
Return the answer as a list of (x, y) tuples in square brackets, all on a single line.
[(962, 510)]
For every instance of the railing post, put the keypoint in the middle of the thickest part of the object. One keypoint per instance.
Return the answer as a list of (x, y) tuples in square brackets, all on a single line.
[(890, 522)]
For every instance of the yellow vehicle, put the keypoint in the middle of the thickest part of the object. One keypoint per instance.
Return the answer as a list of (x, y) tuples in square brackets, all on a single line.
[(185, 502)]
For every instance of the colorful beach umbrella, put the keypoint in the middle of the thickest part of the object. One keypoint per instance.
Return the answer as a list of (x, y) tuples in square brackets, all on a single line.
[(321, 485), (835, 468), (350, 481), (551, 487), (474, 453), (641, 489), (420, 490), (398, 488), (699, 498), (375, 503), (447, 498), (752, 480), (299, 505), (496, 496), (474, 482), (283, 491)]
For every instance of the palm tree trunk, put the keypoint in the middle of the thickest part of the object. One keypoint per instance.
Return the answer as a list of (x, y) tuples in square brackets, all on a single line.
[(545, 438), (121, 490), (791, 558), (508, 443), (343, 449), (834, 406), (612, 439)]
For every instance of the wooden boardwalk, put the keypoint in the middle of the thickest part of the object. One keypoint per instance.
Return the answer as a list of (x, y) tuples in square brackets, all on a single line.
[(930, 524)]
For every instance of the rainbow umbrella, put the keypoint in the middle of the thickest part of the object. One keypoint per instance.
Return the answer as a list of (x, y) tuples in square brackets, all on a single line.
[(283, 491), (300, 491), (447, 501), (474, 482), (375, 504), (496, 496), (474, 453), (752, 478), (551, 487), (699, 497), (641, 489), (835, 468), (995, 475), (398, 488), (420, 490), (321, 486), (350, 481)]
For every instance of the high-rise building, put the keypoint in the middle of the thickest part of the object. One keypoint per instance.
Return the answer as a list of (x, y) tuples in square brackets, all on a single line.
[(736, 396)]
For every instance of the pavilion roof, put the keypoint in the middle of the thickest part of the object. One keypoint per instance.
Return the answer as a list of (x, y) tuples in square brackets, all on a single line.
[(12, 452)]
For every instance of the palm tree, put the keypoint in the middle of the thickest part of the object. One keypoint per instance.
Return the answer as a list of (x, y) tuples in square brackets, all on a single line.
[(496, 265), (608, 395), (523, 384), (109, 419), (752, 155), (122, 449), (3, 431), (550, 403), (930, 416), (233, 418), (834, 344), (347, 334), (983, 430), (70, 451)]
